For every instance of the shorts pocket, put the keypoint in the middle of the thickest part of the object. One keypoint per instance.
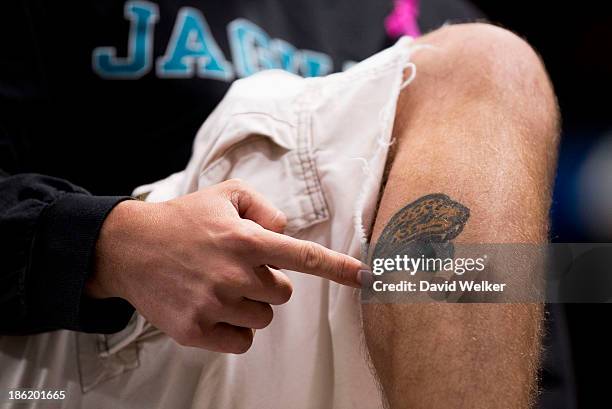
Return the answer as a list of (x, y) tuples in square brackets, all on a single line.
[(276, 158)]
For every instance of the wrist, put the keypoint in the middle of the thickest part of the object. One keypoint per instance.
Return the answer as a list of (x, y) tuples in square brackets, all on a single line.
[(112, 262)]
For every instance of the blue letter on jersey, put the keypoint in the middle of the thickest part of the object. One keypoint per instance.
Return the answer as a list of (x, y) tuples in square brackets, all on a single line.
[(192, 47), (315, 64), (250, 48), (142, 16), (287, 55)]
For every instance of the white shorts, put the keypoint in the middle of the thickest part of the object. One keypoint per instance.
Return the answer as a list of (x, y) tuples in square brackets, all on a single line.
[(314, 147)]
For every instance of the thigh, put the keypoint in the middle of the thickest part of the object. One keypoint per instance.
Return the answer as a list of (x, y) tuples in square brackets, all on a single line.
[(473, 163)]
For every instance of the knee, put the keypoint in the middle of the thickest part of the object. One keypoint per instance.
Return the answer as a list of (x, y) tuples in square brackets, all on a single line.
[(487, 55), (483, 60)]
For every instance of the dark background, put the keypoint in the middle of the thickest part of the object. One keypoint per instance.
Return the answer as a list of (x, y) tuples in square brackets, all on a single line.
[(575, 42)]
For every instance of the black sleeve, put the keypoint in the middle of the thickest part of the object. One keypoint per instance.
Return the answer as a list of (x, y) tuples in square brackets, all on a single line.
[(48, 226), (48, 232)]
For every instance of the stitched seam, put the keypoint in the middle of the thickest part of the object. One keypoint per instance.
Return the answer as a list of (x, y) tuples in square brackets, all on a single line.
[(319, 194), (311, 178), (300, 154)]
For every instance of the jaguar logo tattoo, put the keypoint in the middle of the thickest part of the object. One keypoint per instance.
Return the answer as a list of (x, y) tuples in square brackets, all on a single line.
[(425, 226)]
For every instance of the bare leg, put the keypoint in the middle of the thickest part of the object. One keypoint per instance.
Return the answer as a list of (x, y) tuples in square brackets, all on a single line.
[(479, 124)]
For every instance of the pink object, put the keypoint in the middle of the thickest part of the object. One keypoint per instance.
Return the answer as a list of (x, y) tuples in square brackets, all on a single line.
[(403, 19)]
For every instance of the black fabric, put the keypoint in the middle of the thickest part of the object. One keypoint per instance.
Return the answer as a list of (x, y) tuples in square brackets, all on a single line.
[(48, 229), (434, 13), (64, 242)]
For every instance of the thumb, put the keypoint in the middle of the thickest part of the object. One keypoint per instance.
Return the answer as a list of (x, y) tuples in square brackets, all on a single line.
[(252, 205)]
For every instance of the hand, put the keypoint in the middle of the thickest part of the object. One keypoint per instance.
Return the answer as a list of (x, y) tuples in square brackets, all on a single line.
[(197, 267)]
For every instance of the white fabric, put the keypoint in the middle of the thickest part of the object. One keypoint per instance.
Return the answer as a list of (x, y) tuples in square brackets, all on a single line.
[(316, 148)]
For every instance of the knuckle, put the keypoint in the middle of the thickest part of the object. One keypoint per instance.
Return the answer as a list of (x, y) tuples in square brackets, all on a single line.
[(190, 319), (339, 268), (341, 264), (311, 256), (190, 329), (189, 335), (243, 234), (240, 188), (235, 190), (280, 221), (249, 236), (232, 280)]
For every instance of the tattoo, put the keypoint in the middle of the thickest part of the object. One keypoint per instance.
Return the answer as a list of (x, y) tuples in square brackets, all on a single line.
[(425, 226)]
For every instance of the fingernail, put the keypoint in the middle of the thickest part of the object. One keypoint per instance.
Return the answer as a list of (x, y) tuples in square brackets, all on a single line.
[(365, 278)]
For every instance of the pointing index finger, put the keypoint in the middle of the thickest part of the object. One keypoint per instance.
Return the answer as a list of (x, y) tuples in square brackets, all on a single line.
[(312, 258)]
